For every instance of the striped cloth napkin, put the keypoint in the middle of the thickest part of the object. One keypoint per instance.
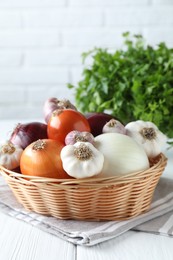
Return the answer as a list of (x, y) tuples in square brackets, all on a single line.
[(158, 220)]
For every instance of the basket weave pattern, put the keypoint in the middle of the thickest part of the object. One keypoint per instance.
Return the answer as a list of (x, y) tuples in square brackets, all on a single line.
[(113, 198)]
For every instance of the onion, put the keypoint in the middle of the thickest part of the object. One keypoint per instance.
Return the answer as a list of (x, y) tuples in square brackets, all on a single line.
[(42, 158), (25, 134), (122, 155), (53, 104)]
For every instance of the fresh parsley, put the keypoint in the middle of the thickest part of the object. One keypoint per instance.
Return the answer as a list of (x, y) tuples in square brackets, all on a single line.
[(135, 82)]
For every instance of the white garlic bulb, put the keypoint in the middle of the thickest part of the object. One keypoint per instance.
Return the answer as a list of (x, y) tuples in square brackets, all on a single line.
[(10, 155), (148, 135), (114, 126), (81, 160)]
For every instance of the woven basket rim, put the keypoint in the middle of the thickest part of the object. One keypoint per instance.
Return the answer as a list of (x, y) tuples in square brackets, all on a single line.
[(132, 177), (96, 199)]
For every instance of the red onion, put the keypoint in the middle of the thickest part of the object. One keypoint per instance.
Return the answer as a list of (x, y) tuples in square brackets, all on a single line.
[(53, 104), (24, 134), (77, 136)]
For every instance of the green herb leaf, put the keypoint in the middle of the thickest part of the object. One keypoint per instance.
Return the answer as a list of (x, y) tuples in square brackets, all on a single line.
[(135, 82)]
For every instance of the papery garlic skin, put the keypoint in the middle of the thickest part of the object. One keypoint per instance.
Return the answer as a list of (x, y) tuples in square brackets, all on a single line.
[(81, 160), (10, 155), (77, 136), (114, 126), (148, 135)]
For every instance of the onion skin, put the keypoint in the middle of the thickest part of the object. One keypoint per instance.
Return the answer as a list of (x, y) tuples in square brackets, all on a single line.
[(43, 161), (52, 104), (64, 121), (25, 134), (122, 154)]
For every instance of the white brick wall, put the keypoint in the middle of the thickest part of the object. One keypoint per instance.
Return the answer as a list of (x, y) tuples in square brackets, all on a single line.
[(41, 42)]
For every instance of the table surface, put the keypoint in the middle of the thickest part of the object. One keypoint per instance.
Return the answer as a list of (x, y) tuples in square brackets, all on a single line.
[(19, 240)]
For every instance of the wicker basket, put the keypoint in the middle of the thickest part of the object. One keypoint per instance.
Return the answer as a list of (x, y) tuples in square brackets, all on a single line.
[(115, 198)]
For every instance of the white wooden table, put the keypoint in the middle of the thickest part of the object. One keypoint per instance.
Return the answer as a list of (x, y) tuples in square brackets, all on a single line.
[(19, 240)]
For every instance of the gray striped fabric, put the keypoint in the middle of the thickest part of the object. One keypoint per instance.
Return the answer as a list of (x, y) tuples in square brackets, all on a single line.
[(158, 220)]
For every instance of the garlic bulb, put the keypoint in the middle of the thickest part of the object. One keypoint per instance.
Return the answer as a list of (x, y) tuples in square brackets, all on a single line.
[(122, 155), (52, 104), (81, 160), (114, 126), (10, 155), (147, 135), (77, 136)]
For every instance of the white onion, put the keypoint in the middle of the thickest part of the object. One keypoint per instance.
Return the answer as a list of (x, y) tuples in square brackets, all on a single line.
[(122, 155)]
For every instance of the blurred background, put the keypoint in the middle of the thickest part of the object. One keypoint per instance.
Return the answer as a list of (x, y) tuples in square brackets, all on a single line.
[(41, 42)]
